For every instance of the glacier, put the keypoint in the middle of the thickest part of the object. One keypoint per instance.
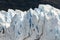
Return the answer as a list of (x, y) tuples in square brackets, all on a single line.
[(42, 23)]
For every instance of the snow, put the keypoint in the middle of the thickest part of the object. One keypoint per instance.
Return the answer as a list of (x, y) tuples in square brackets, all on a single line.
[(42, 23)]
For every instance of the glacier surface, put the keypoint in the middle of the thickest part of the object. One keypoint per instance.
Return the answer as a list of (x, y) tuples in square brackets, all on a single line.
[(42, 23)]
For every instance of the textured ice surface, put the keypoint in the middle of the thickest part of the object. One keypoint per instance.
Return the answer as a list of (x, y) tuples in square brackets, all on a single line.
[(42, 23)]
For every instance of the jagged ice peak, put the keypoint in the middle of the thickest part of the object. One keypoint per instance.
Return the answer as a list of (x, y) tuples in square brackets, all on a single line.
[(42, 23)]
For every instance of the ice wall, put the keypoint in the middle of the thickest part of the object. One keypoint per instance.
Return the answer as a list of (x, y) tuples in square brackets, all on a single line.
[(42, 23)]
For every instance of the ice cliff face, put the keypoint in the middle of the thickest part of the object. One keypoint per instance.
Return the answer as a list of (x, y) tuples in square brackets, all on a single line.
[(42, 23)]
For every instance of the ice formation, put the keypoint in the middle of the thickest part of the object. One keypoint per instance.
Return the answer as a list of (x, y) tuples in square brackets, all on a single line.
[(42, 23)]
